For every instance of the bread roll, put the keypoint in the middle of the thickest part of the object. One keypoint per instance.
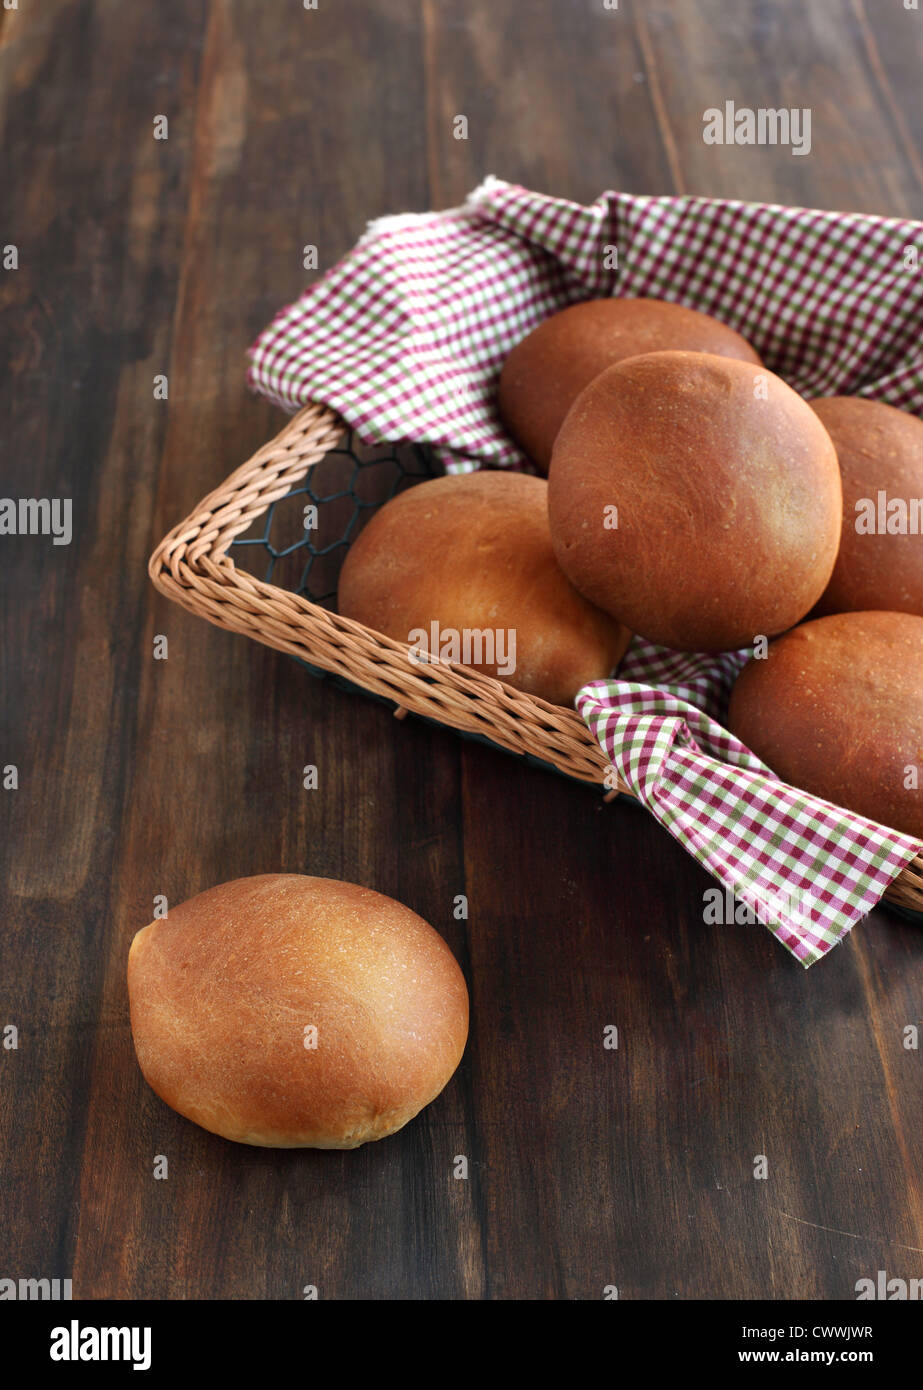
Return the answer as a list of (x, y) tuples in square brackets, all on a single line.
[(726, 493), (836, 708), (880, 449), (462, 567), (545, 373), (225, 990)]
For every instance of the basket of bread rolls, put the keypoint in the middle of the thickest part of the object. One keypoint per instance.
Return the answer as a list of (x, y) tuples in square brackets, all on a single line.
[(650, 479)]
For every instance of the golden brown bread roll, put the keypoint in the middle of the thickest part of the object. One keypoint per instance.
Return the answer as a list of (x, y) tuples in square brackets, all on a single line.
[(726, 493), (472, 554), (836, 708), (880, 449), (225, 990), (545, 373)]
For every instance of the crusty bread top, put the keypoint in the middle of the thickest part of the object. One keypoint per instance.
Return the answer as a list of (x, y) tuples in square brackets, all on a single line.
[(836, 707), (473, 552), (728, 497), (223, 988), (547, 370)]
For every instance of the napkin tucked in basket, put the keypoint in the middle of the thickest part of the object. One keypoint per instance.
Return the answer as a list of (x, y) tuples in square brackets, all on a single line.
[(405, 338)]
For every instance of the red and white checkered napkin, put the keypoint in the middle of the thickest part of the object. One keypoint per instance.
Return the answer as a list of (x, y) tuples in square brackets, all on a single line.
[(806, 869), (405, 338)]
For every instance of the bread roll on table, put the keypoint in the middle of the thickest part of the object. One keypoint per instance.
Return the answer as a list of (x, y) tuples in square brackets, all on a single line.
[(880, 450), (472, 554), (225, 990), (695, 498), (836, 708), (545, 373)]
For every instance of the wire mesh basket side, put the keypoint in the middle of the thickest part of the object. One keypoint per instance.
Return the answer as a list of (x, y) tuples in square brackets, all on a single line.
[(299, 543)]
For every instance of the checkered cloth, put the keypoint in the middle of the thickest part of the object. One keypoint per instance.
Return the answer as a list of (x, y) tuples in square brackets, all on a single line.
[(806, 869), (405, 338)]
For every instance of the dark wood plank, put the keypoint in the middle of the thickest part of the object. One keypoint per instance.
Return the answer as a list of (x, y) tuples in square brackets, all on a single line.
[(96, 215), (588, 1167), (785, 54), (556, 97)]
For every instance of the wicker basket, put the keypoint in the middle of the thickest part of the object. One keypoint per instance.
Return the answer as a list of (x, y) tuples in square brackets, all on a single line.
[(192, 566)]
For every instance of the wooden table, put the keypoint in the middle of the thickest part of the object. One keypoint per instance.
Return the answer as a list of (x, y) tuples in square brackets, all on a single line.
[(137, 777)]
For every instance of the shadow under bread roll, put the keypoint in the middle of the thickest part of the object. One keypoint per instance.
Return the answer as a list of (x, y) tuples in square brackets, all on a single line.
[(463, 569)]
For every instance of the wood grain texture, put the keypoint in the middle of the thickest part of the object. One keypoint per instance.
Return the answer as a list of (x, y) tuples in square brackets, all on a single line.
[(139, 777)]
